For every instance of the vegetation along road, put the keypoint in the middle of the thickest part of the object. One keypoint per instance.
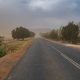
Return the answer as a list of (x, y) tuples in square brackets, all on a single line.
[(48, 61)]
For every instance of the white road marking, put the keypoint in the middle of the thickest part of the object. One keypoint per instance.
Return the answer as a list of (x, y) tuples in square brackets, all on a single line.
[(67, 58)]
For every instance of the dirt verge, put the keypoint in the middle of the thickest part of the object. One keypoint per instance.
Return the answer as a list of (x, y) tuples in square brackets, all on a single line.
[(9, 61)]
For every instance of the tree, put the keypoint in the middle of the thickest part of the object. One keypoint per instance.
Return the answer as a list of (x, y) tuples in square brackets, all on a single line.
[(13, 34), (70, 32), (53, 34), (20, 33)]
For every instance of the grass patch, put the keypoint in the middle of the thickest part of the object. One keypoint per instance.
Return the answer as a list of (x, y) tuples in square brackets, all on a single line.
[(13, 46)]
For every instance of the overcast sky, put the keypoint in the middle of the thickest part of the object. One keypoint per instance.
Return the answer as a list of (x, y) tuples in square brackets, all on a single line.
[(34, 14)]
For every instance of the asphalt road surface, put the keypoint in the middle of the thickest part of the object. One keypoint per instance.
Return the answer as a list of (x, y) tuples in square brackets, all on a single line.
[(48, 61)]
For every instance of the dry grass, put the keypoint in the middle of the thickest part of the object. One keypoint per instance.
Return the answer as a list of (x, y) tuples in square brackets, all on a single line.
[(13, 47), (16, 50)]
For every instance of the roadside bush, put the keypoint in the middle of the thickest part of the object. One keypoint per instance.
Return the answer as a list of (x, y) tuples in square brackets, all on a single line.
[(2, 52)]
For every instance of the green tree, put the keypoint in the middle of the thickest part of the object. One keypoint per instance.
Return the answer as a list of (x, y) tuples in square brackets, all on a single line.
[(13, 34), (70, 32), (20, 33)]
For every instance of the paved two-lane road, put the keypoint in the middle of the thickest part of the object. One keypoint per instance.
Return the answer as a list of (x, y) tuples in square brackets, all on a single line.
[(48, 61)]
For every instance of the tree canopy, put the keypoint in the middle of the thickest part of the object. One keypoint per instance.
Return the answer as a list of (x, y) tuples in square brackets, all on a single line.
[(21, 33), (70, 32)]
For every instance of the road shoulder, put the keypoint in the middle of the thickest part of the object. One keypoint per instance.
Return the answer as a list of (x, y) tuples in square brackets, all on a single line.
[(9, 61), (74, 46)]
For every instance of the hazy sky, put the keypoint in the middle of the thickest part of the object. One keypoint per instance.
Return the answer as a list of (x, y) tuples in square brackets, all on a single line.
[(34, 14)]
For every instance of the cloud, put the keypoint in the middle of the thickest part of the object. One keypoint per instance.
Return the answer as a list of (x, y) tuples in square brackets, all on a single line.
[(42, 4)]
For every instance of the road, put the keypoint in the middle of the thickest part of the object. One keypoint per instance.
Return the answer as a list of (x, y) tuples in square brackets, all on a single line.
[(48, 61)]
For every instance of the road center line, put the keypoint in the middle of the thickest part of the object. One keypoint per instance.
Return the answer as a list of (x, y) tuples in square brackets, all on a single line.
[(67, 58)]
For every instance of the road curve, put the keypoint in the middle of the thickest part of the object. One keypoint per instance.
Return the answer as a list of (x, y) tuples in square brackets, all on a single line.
[(48, 61)]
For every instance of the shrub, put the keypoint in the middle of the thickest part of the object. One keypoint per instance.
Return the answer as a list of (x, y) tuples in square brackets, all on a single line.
[(2, 52)]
